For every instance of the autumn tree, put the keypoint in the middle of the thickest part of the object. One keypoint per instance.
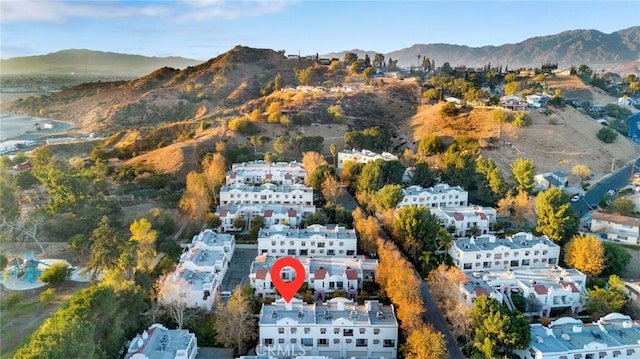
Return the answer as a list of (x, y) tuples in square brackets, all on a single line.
[(196, 199), (310, 161), (586, 254), (319, 175), (334, 154), (603, 301), (522, 172), (215, 172), (520, 206), (555, 217), (143, 239), (368, 230), (235, 324), (331, 188), (581, 171), (425, 342), (444, 282)]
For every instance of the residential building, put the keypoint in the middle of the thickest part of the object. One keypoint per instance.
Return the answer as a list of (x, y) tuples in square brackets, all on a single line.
[(520, 251), (440, 195), (633, 290), (338, 328), (612, 336), (544, 288), (363, 156), (616, 228), (315, 240), (158, 342), (200, 271), (466, 220), (545, 181), (537, 101), (323, 274), (273, 214), (259, 172), (268, 193)]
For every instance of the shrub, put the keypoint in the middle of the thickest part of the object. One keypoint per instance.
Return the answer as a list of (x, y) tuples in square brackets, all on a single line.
[(47, 295), (11, 300), (242, 125), (56, 274), (607, 135), (521, 119), (449, 110), (500, 116)]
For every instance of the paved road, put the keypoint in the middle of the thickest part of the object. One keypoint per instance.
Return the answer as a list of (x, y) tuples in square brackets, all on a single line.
[(616, 180)]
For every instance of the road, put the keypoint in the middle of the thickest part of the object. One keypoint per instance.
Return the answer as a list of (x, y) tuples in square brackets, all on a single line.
[(616, 180), (433, 314)]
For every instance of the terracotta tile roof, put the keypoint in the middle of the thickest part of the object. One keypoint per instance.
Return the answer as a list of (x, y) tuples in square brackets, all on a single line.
[(480, 291), (287, 176), (268, 213), (261, 259), (540, 289), (319, 273), (261, 273), (481, 215), (351, 274), (574, 288), (458, 216), (269, 176), (233, 175), (292, 213)]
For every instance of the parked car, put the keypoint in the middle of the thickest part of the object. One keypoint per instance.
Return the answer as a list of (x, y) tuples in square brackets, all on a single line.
[(575, 198), (611, 192)]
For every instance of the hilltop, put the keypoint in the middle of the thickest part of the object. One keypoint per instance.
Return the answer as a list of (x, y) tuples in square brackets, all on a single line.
[(159, 118)]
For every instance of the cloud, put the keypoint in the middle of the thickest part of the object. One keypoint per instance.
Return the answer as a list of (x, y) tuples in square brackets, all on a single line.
[(209, 9), (58, 11)]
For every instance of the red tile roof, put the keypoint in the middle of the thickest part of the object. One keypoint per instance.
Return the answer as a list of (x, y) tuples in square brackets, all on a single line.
[(540, 289), (480, 291), (261, 273), (481, 215), (351, 274), (292, 213), (574, 288), (268, 176), (224, 213), (287, 176), (319, 273), (233, 175), (268, 213), (458, 216)]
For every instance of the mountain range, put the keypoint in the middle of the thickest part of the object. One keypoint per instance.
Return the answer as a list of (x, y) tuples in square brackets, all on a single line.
[(616, 52)]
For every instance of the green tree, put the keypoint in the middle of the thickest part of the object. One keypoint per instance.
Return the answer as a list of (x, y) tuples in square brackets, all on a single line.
[(449, 110), (336, 112), (318, 176), (368, 72), (235, 322), (416, 229), (309, 143), (422, 175), (498, 329), (603, 301), (622, 206), (586, 254), (555, 217), (55, 274), (616, 258), (144, 239), (350, 58), (371, 179), (521, 119), (8, 199), (491, 185), (307, 75), (241, 125), (500, 115), (522, 172), (607, 135), (388, 197), (431, 145), (239, 222), (106, 247), (47, 296), (283, 144)]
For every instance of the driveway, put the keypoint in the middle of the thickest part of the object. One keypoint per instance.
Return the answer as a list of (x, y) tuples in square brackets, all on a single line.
[(238, 271)]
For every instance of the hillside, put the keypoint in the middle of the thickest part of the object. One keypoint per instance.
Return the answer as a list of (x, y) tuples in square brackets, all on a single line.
[(88, 62), (158, 118)]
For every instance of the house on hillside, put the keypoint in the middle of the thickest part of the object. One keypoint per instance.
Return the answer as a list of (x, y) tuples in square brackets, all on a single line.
[(617, 228), (551, 179)]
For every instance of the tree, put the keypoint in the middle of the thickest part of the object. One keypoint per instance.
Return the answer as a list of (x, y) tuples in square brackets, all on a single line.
[(196, 199), (416, 229), (331, 188), (334, 154), (520, 206), (499, 115), (616, 258), (178, 311), (521, 119), (106, 248), (422, 175), (425, 342), (27, 226), (607, 135), (309, 143), (603, 301), (388, 197), (47, 295), (215, 172), (319, 175), (555, 217), (581, 171), (522, 172), (491, 185), (444, 284), (235, 323), (307, 75), (431, 145), (242, 125), (368, 72), (370, 179), (239, 222), (350, 57), (336, 112), (283, 144), (622, 206), (498, 329), (55, 274), (144, 239), (312, 160), (8, 199), (586, 254)]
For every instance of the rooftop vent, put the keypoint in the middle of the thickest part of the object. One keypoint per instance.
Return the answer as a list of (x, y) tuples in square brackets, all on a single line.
[(596, 335), (274, 314), (566, 336), (380, 315)]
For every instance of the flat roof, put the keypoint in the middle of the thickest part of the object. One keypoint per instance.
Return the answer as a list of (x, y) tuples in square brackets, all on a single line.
[(329, 231), (487, 242), (160, 343)]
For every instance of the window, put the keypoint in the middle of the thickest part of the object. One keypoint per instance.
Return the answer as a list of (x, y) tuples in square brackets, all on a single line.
[(331, 252), (294, 330), (280, 340), (321, 244), (525, 262), (350, 252), (389, 343), (497, 256), (322, 342), (376, 341), (336, 341), (347, 333), (268, 341), (362, 330), (361, 342), (467, 266), (294, 340), (336, 330), (323, 330), (526, 253), (514, 263), (376, 331), (307, 330), (291, 252), (486, 265), (280, 330), (552, 261), (307, 342)]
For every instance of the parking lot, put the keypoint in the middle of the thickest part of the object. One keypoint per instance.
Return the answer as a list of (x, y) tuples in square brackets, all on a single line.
[(238, 272)]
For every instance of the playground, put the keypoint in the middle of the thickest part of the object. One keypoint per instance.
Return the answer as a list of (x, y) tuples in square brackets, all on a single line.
[(24, 273)]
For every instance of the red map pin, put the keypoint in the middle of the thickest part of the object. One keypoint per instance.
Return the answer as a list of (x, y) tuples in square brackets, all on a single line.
[(288, 289)]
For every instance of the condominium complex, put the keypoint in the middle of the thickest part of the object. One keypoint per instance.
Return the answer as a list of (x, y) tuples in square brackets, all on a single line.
[(315, 240), (363, 156), (338, 328), (268, 193), (466, 220), (272, 214), (158, 342), (258, 172), (441, 195)]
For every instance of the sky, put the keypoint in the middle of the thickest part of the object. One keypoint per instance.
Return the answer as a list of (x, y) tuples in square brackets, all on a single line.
[(203, 29)]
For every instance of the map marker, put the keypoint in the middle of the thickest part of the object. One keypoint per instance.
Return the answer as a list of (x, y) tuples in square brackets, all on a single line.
[(287, 289)]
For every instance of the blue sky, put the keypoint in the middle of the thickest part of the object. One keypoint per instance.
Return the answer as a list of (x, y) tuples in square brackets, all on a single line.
[(202, 29)]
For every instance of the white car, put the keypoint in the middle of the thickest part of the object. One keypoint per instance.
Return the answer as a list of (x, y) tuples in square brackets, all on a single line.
[(611, 192), (575, 198)]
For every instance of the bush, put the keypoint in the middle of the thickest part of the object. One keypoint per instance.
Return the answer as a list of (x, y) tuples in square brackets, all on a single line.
[(607, 135), (48, 295), (449, 110), (56, 274), (500, 116), (521, 119), (11, 300), (242, 125)]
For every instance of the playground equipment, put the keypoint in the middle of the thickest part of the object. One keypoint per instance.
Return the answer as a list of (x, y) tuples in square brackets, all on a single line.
[(27, 268)]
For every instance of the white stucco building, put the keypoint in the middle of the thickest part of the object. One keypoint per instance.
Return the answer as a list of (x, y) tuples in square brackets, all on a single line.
[(315, 240), (466, 219), (158, 342), (268, 193), (323, 274), (259, 172), (616, 228), (520, 251), (363, 156), (545, 288), (273, 214), (335, 329), (440, 195), (200, 271), (612, 336)]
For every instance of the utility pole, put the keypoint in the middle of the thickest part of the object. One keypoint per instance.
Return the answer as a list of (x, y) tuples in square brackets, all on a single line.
[(613, 162)]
